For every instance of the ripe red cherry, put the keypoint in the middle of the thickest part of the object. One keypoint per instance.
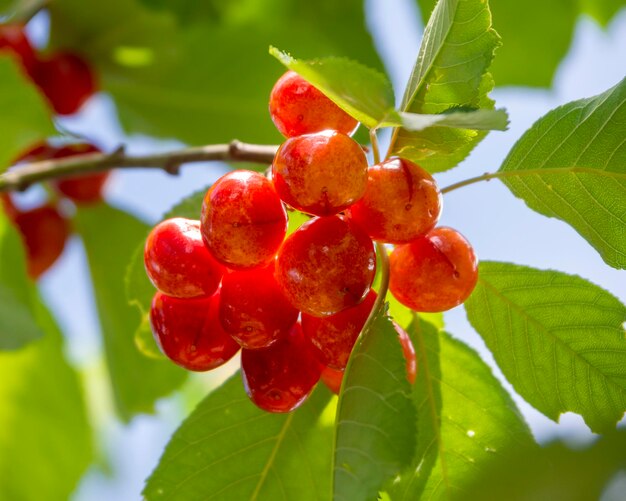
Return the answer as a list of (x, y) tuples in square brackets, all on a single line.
[(332, 378), (189, 331), (177, 261), (297, 108), (13, 41), (253, 309), (86, 189), (243, 220), (326, 265), (321, 173), (408, 350), (280, 377), (334, 336), (401, 202), (44, 231), (67, 80), (433, 273)]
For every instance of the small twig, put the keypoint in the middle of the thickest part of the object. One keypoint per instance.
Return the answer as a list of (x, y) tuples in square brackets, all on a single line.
[(22, 176)]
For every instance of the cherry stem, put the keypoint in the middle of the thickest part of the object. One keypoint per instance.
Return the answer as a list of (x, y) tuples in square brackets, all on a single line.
[(375, 147), (531, 172), (22, 176)]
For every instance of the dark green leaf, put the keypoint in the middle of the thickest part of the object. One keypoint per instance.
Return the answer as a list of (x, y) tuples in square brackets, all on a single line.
[(571, 164), (559, 340), (110, 237), (451, 71), (555, 472), (45, 443), (229, 449), (375, 435), (466, 421), (25, 119)]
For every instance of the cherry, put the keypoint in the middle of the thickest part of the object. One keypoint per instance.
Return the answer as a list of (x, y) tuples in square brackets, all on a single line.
[(44, 231), (332, 378), (243, 220), (326, 265), (401, 202), (253, 309), (83, 189), (177, 261), (280, 377), (67, 80), (408, 350), (189, 331), (334, 336), (297, 108), (13, 40), (435, 272), (321, 173)]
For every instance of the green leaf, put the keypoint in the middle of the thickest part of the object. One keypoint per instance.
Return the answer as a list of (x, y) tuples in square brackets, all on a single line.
[(209, 80), (375, 435), (450, 72), (466, 421), (229, 449), (45, 437), (25, 119), (555, 472), (362, 92), (571, 164), (558, 339), (137, 380), (472, 119)]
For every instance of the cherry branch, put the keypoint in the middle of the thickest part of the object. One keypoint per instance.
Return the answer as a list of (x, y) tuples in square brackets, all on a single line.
[(22, 176)]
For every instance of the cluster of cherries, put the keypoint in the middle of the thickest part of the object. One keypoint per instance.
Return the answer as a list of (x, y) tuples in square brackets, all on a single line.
[(65, 78), (296, 304)]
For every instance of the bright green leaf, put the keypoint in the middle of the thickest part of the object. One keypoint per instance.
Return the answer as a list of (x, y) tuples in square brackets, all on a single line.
[(375, 435), (558, 339), (451, 72), (137, 380), (466, 421), (25, 119), (45, 436), (472, 119), (229, 449), (571, 164)]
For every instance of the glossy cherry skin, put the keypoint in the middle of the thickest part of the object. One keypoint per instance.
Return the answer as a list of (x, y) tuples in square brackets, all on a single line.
[(67, 80), (435, 272), (326, 266), (13, 41), (334, 336), (408, 350), (253, 309), (82, 190), (280, 377), (44, 231), (177, 261), (243, 220), (321, 173), (297, 108), (189, 332), (401, 202), (332, 378)]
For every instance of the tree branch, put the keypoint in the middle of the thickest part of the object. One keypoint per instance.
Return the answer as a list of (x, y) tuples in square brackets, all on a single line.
[(22, 176)]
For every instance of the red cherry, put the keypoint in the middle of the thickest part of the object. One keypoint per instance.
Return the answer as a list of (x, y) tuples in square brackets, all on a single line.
[(334, 336), (433, 273), (67, 80), (243, 220), (189, 331), (280, 377), (401, 202), (253, 309), (332, 378), (321, 173), (84, 189), (297, 108), (13, 41), (44, 231), (326, 265), (408, 350), (177, 261)]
